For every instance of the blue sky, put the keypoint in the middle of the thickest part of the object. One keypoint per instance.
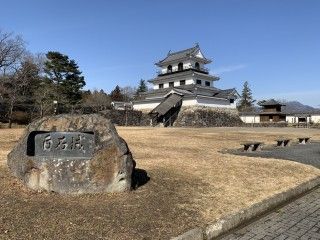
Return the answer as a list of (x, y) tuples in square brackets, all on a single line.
[(273, 44)]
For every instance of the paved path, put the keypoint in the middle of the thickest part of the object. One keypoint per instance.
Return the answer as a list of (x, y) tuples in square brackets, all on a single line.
[(307, 154), (297, 220)]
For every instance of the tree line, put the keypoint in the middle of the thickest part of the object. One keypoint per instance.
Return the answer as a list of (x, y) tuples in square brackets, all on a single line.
[(36, 85)]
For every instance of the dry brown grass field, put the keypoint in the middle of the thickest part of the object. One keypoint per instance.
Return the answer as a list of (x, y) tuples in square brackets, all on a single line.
[(191, 183)]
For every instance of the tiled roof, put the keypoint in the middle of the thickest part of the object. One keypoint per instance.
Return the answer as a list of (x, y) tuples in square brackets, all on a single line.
[(193, 89), (270, 102), (167, 104), (226, 93), (173, 56)]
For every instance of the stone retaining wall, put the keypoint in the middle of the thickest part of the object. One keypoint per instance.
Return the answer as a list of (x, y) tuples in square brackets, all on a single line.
[(207, 117), (127, 117)]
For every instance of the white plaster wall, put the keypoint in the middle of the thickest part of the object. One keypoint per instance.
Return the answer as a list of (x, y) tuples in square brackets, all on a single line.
[(214, 102), (176, 83), (315, 118), (189, 102), (250, 119), (174, 67), (186, 64), (150, 105), (208, 102), (199, 54), (190, 81), (203, 82), (293, 119), (290, 119)]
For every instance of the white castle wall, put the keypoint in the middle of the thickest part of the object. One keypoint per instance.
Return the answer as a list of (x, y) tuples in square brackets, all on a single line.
[(215, 102), (312, 118), (186, 64), (315, 118), (199, 101), (146, 105), (189, 102), (250, 119), (176, 83)]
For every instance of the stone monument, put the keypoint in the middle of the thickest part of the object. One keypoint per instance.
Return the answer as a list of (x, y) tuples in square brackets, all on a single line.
[(72, 154)]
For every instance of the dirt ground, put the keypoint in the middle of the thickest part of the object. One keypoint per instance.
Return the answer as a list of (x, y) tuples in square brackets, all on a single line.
[(191, 183)]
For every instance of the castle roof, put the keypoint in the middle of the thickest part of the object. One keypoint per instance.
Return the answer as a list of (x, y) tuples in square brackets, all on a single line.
[(193, 90), (270, 102), (169, 102), (193, 52)]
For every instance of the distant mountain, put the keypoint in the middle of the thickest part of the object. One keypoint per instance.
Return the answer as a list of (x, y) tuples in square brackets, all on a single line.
[(297, 107)]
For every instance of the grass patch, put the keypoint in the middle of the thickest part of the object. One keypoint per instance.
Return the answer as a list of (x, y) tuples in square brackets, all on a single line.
[(191, 183)]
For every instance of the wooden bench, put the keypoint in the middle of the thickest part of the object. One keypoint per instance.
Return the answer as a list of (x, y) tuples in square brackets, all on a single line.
[(252, 146), (283, 142), (304, 140)]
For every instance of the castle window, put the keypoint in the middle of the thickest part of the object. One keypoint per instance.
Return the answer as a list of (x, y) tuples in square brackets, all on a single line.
[(171, 84), (231, 100), (197, 66), (180, 66), (182, 82), (208, 84), (169, 69), (160, 85), (199, 82)]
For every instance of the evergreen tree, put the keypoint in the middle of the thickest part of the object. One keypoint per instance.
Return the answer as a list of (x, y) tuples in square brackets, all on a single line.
[(246, 100), (142, 86), (116, 94), (65, 76)]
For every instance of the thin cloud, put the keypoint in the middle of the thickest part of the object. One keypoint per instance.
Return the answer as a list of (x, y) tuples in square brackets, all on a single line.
[(231, 68)]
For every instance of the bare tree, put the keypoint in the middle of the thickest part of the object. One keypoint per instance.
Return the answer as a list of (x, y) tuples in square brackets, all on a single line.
[(12, 49), (19, 84), (12, 89), (128, 93), (44, 96), (97, 100)]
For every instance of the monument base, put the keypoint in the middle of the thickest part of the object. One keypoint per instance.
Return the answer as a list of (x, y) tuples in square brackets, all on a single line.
[(72, 154)]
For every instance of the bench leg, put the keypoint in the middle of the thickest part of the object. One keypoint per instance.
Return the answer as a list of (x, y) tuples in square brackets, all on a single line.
[(287, 143), (280, 143), (257, 147), (248, 148)]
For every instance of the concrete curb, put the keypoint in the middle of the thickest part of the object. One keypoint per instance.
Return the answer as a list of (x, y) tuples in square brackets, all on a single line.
[(223, 225)]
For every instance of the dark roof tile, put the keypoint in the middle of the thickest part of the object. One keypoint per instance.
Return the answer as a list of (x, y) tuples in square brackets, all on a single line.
[(167, 104), (173, 56)]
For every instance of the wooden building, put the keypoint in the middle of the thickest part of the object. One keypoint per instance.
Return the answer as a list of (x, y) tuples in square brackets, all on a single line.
[(271, 111)]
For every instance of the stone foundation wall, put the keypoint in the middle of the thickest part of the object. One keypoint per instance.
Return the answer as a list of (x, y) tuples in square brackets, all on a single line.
[(207, 117), (127, 117)]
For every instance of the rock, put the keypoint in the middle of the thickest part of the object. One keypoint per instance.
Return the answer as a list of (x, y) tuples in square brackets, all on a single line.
[(201, 116), (72, 154)]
